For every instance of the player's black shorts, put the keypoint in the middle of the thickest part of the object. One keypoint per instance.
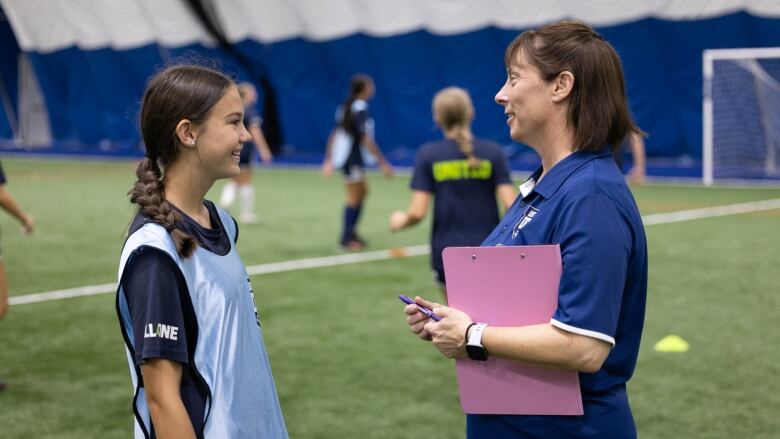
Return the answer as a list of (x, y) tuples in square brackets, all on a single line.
[(354, 170)]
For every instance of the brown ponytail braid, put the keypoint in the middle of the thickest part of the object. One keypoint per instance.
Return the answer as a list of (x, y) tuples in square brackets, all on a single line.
[(149, 194), (453, 112), (357, 85), (465, 140)]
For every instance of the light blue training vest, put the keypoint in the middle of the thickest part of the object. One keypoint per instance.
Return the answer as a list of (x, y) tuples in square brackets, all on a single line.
[(230, 354)]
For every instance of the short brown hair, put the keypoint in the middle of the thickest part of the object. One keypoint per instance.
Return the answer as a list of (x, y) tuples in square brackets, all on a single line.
[(598, 108)]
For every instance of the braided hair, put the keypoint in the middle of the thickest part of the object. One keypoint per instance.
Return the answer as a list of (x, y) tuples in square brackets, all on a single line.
[(357, 85), (176, 93), (453, 112)]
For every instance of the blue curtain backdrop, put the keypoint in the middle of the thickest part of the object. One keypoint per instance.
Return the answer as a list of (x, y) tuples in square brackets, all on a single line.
[(9, 52), (93, 95)]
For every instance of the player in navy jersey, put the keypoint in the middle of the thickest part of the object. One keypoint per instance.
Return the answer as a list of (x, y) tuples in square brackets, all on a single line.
[(565, 97), (9, 204), (345, 150), (185, 303), (241, 185), (463, 174)]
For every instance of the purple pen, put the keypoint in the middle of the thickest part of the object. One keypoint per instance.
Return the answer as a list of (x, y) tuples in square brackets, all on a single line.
[(427, 312)]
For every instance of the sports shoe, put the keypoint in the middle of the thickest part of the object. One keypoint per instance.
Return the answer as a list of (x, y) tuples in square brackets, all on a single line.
[(353, 245), (358, 238)]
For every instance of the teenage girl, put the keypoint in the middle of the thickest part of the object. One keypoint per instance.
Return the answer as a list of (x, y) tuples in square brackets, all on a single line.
[(185, 303), (354, 119), (464, 173), (242, 183)]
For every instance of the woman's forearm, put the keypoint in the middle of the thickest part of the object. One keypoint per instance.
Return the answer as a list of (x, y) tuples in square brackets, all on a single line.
[(546, 346)]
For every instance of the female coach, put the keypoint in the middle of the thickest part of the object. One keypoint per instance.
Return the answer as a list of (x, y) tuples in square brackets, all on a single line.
[(565, 97)]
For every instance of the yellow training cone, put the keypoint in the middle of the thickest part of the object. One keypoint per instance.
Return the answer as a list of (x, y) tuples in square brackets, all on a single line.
[(672, 343)]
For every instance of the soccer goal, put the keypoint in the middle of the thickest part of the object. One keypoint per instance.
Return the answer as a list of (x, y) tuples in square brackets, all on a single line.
[(741, 121)]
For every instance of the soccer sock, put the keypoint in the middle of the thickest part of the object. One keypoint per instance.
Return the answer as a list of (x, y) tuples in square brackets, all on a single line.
[(247, 194), (228, 194), (358, 210), (350, 219)]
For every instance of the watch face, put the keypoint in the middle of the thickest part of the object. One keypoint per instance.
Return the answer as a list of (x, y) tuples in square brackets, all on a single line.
[(476, 352)]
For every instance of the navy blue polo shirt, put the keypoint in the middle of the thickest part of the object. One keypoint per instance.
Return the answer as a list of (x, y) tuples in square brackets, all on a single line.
[(464, 204), (584, 204)]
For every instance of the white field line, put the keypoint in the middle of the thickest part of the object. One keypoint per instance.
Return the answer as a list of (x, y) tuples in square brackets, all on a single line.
[(380, 255), (273, 267), (711, 212)]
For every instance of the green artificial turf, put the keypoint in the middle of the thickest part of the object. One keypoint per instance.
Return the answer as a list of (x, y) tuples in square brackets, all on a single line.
[(345, 364)]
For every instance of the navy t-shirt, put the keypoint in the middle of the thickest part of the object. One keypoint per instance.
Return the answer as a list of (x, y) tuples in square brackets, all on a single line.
[(465, 210), (164, 322)]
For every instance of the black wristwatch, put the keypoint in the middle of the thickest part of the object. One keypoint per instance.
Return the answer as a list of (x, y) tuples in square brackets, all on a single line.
[(474, 347)]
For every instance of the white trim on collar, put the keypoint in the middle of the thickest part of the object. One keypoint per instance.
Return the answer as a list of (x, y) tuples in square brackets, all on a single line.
[(527, 187)]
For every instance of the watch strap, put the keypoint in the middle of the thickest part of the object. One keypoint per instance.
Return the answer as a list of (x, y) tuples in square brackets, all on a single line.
[(475, 338)]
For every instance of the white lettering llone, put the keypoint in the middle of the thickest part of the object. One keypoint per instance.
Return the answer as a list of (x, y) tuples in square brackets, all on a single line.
[(160, 330)]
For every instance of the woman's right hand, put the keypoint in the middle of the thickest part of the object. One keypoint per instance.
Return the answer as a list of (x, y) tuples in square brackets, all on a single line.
[(417, 320)]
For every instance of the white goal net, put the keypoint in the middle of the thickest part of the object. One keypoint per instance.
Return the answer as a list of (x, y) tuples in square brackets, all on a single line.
[(741, 129)]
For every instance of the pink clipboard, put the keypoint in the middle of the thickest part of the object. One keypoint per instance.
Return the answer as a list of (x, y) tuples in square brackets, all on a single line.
[(509, 286)]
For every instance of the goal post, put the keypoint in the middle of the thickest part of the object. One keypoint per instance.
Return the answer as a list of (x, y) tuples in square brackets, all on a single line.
[(741, 114)]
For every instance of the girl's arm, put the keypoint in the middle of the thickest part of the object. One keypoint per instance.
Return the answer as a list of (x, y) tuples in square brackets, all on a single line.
[(9, 204), (327, 164), (384, 165), (162, 380), (506, 193), (637, 173), (3, 292), (262, 145), (415, 213)]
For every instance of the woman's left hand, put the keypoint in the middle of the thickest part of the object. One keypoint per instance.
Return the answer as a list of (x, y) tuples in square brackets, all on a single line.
[(449, 334)]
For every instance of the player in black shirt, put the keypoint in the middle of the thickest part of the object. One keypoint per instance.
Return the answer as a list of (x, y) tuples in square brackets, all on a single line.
[(464, 173)]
